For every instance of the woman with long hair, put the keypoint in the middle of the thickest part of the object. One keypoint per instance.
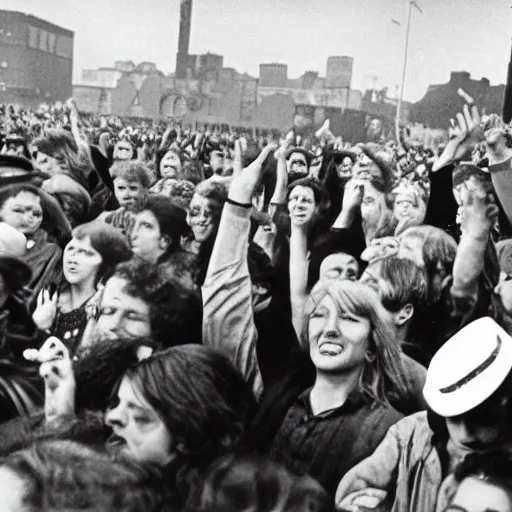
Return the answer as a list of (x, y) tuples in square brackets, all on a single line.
[(203, 217), (332, 408), (89, 258), (179, 410), (59, 153)]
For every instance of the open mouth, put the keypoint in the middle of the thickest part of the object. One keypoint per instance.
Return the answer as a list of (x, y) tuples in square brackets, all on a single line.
[(330, 349), (115, 443)]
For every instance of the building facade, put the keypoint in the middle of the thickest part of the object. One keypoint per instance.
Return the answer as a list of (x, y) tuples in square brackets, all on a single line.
[(36, 60)]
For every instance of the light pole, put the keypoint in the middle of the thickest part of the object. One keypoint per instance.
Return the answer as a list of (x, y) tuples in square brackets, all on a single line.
[(412, 4)]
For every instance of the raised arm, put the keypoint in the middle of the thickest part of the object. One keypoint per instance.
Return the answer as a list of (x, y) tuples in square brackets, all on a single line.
[(299, 266), (352, 199), (228, 320), (478, 218)]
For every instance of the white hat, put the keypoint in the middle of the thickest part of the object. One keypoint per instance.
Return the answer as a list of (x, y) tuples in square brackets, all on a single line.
[(468, 368)]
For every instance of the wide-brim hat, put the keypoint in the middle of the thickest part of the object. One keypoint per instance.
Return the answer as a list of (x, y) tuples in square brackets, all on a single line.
[(468, 368)]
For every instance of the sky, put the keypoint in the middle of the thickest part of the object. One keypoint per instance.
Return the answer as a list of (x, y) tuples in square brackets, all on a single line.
[(449, 35)]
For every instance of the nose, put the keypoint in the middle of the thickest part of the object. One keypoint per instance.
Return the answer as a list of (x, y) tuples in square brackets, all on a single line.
[(331, 329), (115, 417), (112, 325)]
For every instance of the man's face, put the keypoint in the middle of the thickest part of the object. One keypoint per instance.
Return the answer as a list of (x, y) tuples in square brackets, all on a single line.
[(482, 428), (297, 164), (121, 314)]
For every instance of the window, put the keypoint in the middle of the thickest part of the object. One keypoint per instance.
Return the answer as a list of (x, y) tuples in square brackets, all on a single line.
[(52, 39), (33, 39), (43, 40), (64, 47)]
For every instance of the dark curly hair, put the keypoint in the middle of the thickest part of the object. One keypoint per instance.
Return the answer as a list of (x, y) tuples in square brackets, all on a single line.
[(204, 402), (63, 475), (175, 309)]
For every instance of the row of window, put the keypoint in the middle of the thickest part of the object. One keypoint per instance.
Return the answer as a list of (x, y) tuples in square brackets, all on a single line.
[(40, 39)]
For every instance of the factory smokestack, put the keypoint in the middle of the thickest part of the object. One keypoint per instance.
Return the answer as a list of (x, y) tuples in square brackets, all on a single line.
[(184, 38)]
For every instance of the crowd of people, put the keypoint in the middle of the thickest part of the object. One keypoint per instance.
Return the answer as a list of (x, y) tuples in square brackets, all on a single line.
[(208, 319)]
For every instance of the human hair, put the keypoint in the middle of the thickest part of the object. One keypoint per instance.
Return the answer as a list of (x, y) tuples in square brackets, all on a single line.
[(408, 282), (314, 185), (109, 242), (493, 467), (205, 403), (13, 190), (61, 145), (60, 475), (383, 378), (439, 251), (216, 193), (172, 220), (244, 483), (175, 309), (132, 171)]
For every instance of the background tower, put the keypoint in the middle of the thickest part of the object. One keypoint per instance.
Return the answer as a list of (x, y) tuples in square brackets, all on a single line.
[(184, 38)]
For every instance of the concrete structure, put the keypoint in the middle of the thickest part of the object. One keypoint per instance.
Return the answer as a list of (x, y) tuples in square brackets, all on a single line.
[(339, 73), (36, 60), (273, 75)]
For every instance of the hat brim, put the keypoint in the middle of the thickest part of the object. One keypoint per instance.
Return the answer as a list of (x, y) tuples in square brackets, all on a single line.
[(472, 393)]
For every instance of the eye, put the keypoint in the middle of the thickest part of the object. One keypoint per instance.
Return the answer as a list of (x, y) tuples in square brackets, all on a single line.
[(508, 277), (142, 420), (106, 311)]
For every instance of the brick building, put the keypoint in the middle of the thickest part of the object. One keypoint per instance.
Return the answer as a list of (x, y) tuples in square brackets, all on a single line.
[(36, 60)]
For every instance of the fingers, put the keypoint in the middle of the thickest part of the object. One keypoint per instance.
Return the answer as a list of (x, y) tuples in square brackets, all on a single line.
[(461, 121)]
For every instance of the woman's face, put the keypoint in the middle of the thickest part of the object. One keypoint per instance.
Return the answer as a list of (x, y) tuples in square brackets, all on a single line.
[(23, 212), (81, 261), (170, 166), (339, 266), (301, 205), (146, 239), (47, 164), (138, 430), (338, 340), (200, 218)]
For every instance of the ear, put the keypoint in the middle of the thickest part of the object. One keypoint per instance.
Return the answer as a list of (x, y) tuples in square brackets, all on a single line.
[(165, 242), (404, 315)]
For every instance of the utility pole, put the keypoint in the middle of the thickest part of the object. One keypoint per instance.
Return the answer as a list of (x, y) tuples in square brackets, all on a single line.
[(412, 4)]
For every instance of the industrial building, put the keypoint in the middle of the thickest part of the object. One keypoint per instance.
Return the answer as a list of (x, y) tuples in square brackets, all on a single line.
[(36, 60)]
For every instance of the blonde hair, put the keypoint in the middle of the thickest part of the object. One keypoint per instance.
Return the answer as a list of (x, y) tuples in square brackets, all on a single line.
[(382, 379)]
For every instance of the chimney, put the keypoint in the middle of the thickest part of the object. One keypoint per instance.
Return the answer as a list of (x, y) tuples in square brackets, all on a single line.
[(184, 38)]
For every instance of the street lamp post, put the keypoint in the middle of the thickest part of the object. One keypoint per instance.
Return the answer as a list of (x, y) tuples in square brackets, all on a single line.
[(412, 4)]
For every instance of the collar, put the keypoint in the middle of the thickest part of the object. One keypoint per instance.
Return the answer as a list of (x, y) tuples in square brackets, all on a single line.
[(354, 401)]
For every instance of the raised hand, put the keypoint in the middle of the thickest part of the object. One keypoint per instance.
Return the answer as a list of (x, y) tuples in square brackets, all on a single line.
[(46, 310), (353, 196), (245, 182), (478, 212), (57, 371), (464, 134)]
